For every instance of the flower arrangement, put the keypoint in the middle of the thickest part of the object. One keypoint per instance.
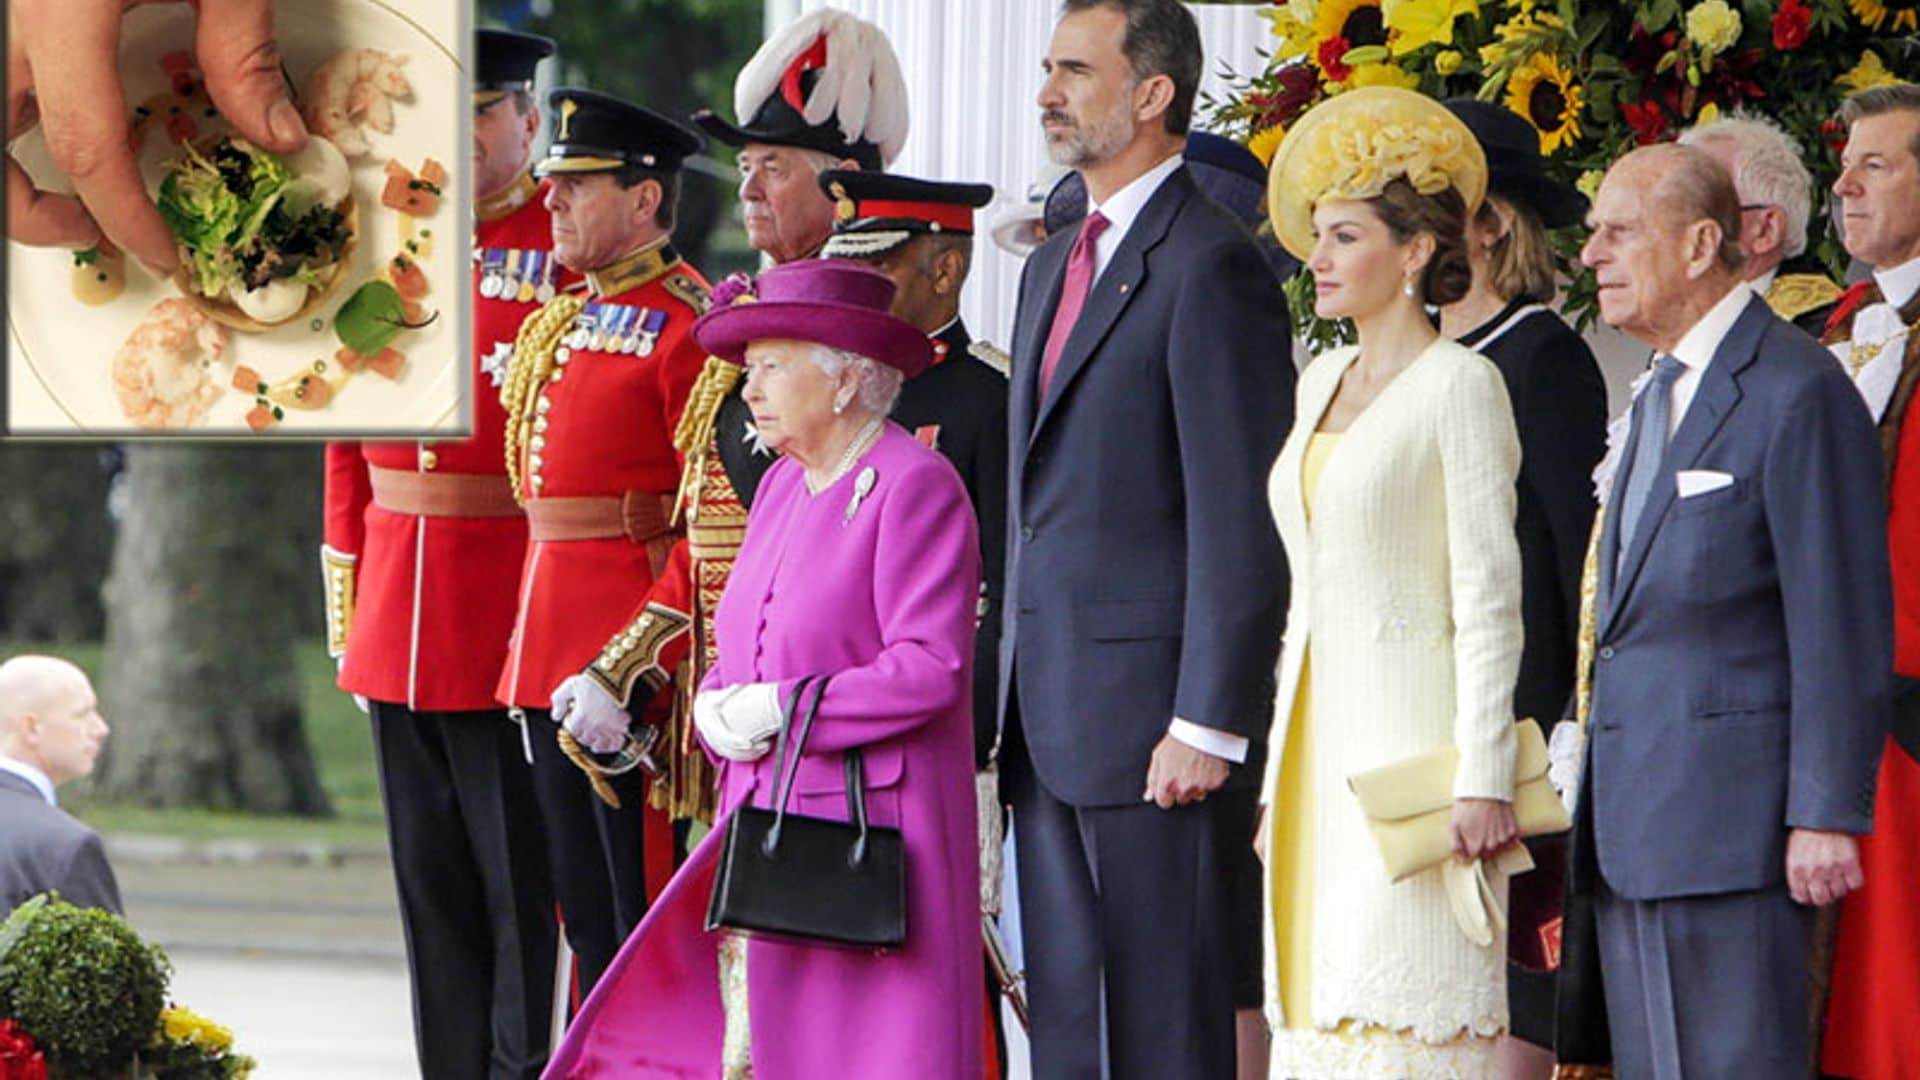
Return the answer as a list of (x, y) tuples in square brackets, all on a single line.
[(1593, 77), (81, 997)]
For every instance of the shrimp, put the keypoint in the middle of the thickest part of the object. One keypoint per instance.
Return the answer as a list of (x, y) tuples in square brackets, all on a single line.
[(355, 89), (162, 374)]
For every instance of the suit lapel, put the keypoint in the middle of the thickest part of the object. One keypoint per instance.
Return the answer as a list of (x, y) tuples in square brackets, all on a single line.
[(1718, 393), (1047, 266), (1114, 289)]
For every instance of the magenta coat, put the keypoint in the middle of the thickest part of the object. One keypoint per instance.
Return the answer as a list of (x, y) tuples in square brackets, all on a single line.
[(884, 603)]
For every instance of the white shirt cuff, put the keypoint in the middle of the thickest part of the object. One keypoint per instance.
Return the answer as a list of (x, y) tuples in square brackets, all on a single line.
[(1221, 744)]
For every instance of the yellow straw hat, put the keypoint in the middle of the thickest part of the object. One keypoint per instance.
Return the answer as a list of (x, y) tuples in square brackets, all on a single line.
[(1352, 144)]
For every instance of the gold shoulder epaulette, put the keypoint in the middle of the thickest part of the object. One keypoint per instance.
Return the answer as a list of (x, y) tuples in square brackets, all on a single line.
[(687, 289), (991, 355), (1793, 295)]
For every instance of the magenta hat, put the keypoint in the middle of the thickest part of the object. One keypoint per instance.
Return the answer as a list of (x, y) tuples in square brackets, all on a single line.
[(834, 302)]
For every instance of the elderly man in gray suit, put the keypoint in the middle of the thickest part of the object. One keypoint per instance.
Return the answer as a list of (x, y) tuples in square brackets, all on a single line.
[(51, 732), (1740, 686)]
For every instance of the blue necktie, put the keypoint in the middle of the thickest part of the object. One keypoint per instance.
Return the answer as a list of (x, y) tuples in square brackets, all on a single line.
[(1649, 447)]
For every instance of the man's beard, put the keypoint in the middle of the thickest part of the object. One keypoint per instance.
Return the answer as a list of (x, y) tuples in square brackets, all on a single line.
[(1090, 143)]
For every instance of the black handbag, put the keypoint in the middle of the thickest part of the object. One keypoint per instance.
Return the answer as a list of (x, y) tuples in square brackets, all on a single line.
[(812, 880)]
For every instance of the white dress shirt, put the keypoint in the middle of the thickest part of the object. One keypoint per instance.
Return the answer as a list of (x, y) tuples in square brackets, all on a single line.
[(40, 781), (1121, 210), (1697, 346)]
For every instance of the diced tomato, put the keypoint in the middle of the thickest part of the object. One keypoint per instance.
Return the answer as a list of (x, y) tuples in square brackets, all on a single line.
[(260, 418), (318, 392), (389, 362), (433, 173), (412, 312), (180, 71), (181, 128), (409, 194), (394, 168), (408, 280), (349, 359), (246, 380)]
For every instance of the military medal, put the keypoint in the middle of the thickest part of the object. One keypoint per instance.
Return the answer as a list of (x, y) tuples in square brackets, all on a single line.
[(601, 318), (545, 291), (618, 325), (582, 328), (490, 262), (527, 270), (656, 321)]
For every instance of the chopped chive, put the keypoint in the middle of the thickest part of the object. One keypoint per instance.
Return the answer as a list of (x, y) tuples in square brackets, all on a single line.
[(277, 414)]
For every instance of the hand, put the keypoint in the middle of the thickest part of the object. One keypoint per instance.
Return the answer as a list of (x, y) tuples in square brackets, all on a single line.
[(1480, 827), (63, 68), (1180, 774), (359, 700), (738, 722), (590, 714), (1822, 866)]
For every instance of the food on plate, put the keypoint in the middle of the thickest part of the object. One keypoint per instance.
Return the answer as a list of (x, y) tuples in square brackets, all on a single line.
[(418, 195), (163, 373), (263, 237), (99, 275), (354, 90)]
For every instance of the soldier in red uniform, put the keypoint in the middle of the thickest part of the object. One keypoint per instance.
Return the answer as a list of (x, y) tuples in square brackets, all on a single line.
[(598, 380), (421, 544)]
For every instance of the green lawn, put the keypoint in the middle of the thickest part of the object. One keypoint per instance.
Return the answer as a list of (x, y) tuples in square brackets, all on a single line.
[(342, 748)]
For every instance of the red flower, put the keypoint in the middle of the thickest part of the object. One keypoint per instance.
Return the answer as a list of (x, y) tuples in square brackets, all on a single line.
[(1834, 133), (19, 1058), (1791, 24), (1332, 52), (1649, 124)]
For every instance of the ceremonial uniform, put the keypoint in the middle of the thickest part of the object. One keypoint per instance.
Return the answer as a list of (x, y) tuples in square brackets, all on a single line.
[(598, 381), (1876, 981), (422, 542), (1801, 293)]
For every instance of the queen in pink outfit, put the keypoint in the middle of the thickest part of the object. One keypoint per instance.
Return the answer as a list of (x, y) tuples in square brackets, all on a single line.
[(860, 563)]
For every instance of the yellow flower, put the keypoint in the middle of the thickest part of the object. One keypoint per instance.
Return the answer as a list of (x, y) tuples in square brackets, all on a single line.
[(1292, 36), (1713, 26), (1265, 142), (1446, 61), (1526, 32), (183, 1025), (1359, 23), (1589, 182), (1419, 23), (1708, 114), (1904, 13), (1549, 97), (1868, 73), (1381, 75)]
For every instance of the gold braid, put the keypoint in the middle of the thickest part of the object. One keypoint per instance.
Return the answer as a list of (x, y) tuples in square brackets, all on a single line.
[(533, 350), (694, 434)]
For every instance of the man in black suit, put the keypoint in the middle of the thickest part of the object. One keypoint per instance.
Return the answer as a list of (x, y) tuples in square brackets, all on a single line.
[(50, 732), (1151, 390)]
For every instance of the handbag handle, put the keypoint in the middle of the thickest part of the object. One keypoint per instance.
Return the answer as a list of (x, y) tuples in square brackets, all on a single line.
[(785, 777)]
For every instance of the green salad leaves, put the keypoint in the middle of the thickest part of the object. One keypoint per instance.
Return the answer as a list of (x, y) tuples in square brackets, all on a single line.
[(228, 209)]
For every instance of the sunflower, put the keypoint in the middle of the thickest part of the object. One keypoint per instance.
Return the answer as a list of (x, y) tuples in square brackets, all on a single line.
[(1359, 23), (1265, 142), (1548, 96), (1904, 13)]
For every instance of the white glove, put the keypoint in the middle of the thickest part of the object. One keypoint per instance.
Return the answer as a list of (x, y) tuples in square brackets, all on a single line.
[(590, 714), (1564, 756), (359, 700), (739, 722)]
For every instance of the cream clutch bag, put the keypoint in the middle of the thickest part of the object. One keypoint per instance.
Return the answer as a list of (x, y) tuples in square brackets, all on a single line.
[(1408, 803)]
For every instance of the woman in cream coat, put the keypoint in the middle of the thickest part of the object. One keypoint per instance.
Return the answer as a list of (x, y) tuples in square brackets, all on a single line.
[(1394, 495)]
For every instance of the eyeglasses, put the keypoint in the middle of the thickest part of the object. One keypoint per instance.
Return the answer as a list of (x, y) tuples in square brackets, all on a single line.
[(1744, 207)]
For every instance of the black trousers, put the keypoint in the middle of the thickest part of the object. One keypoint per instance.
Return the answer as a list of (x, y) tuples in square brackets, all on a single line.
[(594, 852), (475, 905), (1125, 923)]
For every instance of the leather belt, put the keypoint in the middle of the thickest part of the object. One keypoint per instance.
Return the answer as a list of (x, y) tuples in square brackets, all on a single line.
[(453, 495), (639, 516)]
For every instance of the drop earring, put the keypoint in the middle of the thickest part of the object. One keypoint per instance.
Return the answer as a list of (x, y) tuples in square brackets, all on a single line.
[(1408, 288)]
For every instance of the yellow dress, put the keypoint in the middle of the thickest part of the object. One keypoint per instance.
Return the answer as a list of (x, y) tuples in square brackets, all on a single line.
[(1291, 812)]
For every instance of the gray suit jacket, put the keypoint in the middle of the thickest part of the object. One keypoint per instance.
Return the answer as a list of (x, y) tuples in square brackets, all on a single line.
[(1742, 675), (43, 847)]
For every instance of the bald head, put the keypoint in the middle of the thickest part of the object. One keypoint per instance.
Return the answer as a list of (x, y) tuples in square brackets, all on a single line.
[(49, 717), (1666, 241)]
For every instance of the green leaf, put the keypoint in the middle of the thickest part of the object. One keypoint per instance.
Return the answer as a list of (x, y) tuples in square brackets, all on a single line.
[(86, 256), (370, 319)]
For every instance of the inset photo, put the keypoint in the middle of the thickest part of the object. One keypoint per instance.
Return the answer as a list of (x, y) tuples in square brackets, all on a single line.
[(302, 280)]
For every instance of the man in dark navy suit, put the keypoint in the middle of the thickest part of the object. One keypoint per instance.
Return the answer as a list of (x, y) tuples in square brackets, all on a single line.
[(1152, 386)]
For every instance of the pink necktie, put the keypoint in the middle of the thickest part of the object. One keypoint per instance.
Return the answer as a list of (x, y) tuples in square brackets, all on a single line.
[(1073, 294)]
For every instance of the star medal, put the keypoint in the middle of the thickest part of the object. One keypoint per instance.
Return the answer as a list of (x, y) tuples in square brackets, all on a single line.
[(650, 332), (529, 267), (490, 263), (494, 365), (862, 485)]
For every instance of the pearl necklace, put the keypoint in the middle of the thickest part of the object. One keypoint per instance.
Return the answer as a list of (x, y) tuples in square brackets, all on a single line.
[(852, 454)]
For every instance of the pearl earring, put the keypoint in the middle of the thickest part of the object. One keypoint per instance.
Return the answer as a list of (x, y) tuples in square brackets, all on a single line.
[(1408, 289), (839, 407)]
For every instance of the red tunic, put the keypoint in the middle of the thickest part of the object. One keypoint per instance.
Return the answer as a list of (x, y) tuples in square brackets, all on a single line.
[(609, 419), (434, 600)]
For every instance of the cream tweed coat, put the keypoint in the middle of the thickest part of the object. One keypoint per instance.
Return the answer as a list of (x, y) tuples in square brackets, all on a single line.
[(1407, 589)]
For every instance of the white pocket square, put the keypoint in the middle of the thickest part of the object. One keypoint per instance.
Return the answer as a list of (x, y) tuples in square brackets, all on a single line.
[(1700, 481)]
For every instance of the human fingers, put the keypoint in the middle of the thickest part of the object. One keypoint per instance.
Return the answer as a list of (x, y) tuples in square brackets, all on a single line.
[(73, 52), (241, 61), (1797, 882), (44, 219)]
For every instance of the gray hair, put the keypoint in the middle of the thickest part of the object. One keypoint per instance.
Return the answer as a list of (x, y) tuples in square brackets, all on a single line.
[(1768, 170), (1893, 97), (878, 385)]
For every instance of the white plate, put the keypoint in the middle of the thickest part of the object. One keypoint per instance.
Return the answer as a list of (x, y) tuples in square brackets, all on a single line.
[(68, 347)]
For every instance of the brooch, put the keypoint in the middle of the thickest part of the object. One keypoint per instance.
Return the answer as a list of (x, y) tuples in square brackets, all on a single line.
[(862, 484)]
